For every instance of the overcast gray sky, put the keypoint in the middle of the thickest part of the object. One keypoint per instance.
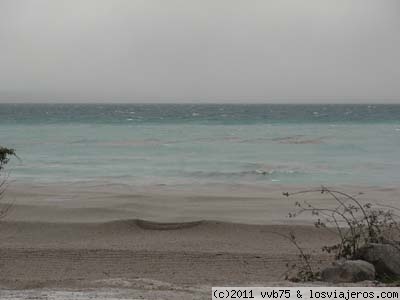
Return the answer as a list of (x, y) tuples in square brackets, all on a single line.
[(200, 51)]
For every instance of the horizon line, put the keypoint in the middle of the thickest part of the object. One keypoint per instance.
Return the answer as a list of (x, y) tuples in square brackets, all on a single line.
[(208, 103)]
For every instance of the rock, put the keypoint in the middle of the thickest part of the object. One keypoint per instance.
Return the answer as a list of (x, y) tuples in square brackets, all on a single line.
[(348, 271), (385, 258)]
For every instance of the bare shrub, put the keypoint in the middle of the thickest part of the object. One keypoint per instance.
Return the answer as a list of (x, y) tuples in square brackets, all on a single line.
[(356, 223), (5, 155), (304, 270)]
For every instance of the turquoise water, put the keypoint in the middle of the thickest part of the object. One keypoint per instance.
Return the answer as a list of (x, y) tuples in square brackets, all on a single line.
[(202, 144)]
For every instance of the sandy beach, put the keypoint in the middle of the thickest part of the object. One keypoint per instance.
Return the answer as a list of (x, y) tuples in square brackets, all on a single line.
[(156, 149), (156, 201), (90, 238)]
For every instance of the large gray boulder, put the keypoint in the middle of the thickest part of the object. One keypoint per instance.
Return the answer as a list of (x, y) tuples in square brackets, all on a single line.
[(385, 258), (348, 271)]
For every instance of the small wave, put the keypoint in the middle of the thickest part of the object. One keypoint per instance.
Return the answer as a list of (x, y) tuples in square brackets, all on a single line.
[(295, 139), (286, 138), (145, 142), (241, 174), (83, 141), (300, 139), (233, 139)]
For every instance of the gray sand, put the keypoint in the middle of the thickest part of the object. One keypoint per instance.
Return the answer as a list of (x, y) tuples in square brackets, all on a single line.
[(78, 242)]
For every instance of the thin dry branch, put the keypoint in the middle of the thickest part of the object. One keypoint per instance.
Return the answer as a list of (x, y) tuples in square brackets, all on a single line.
[(364, 223)]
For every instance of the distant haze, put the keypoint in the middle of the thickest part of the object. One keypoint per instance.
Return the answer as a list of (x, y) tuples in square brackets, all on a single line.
[(200, 51)]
